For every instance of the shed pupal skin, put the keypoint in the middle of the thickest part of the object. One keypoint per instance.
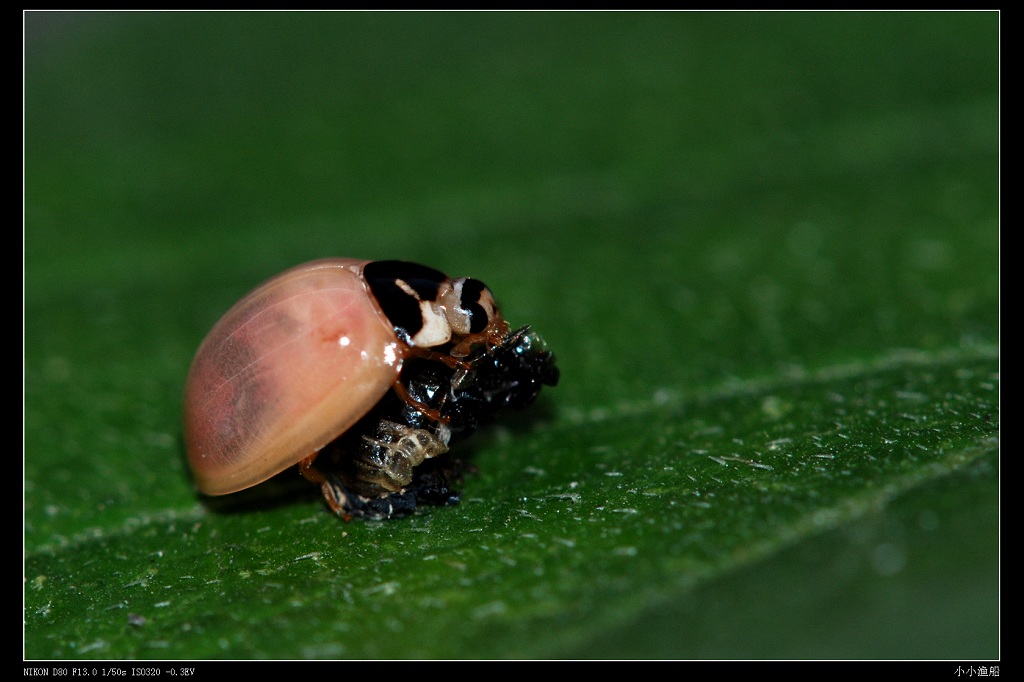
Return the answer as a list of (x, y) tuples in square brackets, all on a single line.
[(395, 457), (362, 372)]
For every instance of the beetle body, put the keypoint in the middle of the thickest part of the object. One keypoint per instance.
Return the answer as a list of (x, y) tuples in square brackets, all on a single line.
[(360, 371)]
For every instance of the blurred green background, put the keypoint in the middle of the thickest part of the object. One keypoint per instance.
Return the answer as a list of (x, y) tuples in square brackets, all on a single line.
[(764, 247)]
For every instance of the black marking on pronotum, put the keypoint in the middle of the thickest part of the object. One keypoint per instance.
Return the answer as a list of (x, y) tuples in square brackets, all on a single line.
[(386, 278), (469, 299)]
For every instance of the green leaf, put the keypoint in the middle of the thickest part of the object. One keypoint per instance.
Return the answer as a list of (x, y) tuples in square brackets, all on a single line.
[(764, 247)]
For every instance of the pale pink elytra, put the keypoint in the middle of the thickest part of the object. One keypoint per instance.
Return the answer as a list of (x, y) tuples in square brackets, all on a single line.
[(286, 370)]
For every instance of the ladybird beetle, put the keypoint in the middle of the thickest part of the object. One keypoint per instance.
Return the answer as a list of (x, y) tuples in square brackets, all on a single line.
[(361, 372)]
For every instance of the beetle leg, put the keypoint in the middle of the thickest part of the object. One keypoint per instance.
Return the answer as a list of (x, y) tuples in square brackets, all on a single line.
[(338, 499), (444, 358), (310, 472), (494, 335), (432, 413)]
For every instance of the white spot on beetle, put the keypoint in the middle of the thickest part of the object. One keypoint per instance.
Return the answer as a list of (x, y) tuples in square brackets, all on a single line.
[(404, 286), (435, 329), (391, 354)]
